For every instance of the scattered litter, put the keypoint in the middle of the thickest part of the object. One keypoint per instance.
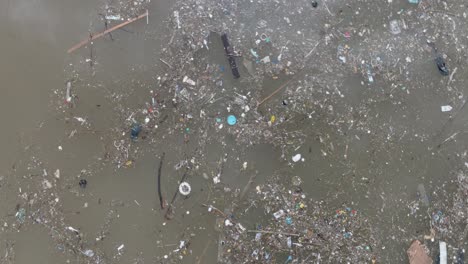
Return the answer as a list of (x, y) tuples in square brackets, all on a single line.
[(80, 119), (189, 81), (184, 188), (73, 229), (83, 183), (120, 247), (440, 62), (98, 35), (297, 157), (446, 108), (46, 184), (443, 252), (395, 27), (254, 53), (135, 131), (370, 77), (299, 230), (114, 17), (68, 97), (296, 180), (231, 120), (21, 215), (305, 90), (278, 214), (266, 59), (88, 253), (422, 194), (227, 222)]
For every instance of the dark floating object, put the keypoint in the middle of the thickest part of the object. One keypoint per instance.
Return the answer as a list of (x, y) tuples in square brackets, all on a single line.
[(441, 65), (230, 54), (83, 183), (314, 4), (161, 198), (135, 131)]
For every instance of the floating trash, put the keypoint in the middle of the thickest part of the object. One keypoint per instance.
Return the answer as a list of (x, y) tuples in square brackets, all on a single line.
[(446, 108), (231, 120), (296, 157), (21, 215), (184, 188)]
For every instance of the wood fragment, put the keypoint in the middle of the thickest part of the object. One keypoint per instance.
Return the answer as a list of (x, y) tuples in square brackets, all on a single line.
[(168, 65), (96, 36), (161, 199), (451, 76), (216, 210), (275, 92), (204, 252), (170, 211), (310, 52)]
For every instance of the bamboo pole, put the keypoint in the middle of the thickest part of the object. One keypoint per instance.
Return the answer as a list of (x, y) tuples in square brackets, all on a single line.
[(86, 41)]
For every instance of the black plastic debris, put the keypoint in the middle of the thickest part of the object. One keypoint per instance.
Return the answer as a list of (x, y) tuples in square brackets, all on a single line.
[(230, 54), (83, 183), (314, 4), (441, 65)]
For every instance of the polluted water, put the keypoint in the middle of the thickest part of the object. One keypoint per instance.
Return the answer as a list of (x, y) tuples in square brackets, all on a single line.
[(203, 131)]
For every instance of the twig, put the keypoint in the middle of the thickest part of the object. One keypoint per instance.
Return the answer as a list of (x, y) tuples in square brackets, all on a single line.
[(310, 52), (84, 42), (161, 199), (272, 232), (450, 138), (168, 245), (204, 252), (216, 210), (91, 59), (169, 211), (288, 82), (325, 3), (275, 91), (450, 121), (451, 76), (443, 12), (163, 61), (247, 186), (106, 23)]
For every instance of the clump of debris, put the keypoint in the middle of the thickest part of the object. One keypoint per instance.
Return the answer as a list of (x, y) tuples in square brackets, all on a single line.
[(122, 10), (452, 224), (297, 229)]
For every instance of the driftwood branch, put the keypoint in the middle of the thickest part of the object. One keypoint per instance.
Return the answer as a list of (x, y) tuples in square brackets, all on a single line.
[(170, 211), (96, 36)]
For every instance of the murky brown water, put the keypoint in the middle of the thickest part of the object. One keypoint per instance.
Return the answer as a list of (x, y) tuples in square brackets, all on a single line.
[(377, 172)]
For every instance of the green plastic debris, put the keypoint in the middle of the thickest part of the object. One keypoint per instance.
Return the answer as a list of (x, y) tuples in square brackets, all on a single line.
[(21, 215)]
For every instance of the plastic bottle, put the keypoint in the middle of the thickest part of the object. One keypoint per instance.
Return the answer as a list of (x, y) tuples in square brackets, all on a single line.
[(443, 252), (135, 131)]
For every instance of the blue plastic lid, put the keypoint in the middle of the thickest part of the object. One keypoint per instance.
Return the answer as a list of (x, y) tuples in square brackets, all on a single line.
[(231, 120)]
